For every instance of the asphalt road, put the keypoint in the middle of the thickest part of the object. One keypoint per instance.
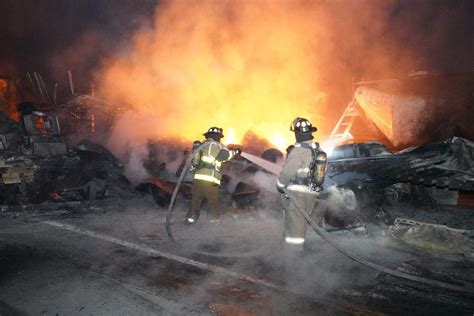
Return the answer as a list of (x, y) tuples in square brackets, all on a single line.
[(119, 261)]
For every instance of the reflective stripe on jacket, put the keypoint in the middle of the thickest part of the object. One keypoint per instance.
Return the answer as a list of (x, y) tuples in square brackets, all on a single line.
[(205, 161)]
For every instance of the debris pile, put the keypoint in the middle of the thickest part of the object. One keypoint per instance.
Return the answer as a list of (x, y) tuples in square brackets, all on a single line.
[(434, 237), (36, 165), (86, 117), (82, 173), (8, 133), (416, 198), (447, 165), (239, 191)]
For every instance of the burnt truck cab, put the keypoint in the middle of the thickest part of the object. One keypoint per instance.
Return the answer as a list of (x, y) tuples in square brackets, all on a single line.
[(40, 131)]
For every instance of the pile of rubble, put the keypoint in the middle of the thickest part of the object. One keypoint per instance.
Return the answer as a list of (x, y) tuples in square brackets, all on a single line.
[(238, 189), (420, 197), (36, 164), (436, 168), (86, 116), (434, 237)]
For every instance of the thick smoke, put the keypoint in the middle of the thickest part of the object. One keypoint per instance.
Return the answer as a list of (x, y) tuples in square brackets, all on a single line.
[(256, 65), (53, 36), (437, 33), (253, 66), (134, 139)]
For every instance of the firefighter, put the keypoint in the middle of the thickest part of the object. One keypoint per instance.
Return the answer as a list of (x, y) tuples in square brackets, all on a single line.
[(205, 164), (302, 176)]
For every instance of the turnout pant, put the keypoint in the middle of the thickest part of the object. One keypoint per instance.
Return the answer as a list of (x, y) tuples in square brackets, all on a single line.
[(204, 190), (295, 224)]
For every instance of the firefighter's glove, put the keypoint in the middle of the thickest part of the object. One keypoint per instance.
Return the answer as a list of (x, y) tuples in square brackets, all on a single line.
[(318, 188), (280, 190), (237, 152)]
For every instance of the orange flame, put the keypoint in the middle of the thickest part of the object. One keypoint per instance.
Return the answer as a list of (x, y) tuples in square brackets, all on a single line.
[(243, 66)]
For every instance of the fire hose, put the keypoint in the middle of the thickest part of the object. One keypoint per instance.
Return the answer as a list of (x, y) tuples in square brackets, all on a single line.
[(212, 254), (325, 235), (318, 230)]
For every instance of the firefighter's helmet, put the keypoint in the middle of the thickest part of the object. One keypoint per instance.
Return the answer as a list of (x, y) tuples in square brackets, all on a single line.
[(302, 125), (214, 131)]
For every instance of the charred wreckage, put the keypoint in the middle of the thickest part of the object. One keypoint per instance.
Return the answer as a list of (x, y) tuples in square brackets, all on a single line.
[(367, 187), (38, 165)]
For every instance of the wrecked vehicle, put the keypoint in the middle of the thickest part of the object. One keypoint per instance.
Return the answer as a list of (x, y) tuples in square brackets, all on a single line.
[(371, 169), (40, 131), (82, 173), (37, 166)]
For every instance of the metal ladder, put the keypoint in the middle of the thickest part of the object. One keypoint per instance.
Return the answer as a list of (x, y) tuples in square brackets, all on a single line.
[(341, 131)]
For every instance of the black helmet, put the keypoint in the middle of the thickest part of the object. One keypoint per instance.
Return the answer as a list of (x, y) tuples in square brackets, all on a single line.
[(302, 125), (214, 132)]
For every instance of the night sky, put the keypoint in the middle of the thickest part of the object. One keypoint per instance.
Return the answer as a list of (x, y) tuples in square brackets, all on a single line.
[(48, 36)]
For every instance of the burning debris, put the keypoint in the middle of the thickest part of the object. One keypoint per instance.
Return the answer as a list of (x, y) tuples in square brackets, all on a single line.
[(391, 188), (360, 174), (237, 194)]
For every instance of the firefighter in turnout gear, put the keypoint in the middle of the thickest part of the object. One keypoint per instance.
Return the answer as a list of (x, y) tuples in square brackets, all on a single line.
[(205, 164), (302, 176)]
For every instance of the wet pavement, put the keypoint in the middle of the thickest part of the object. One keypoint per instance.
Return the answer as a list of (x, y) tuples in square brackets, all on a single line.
[(119, 261)]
